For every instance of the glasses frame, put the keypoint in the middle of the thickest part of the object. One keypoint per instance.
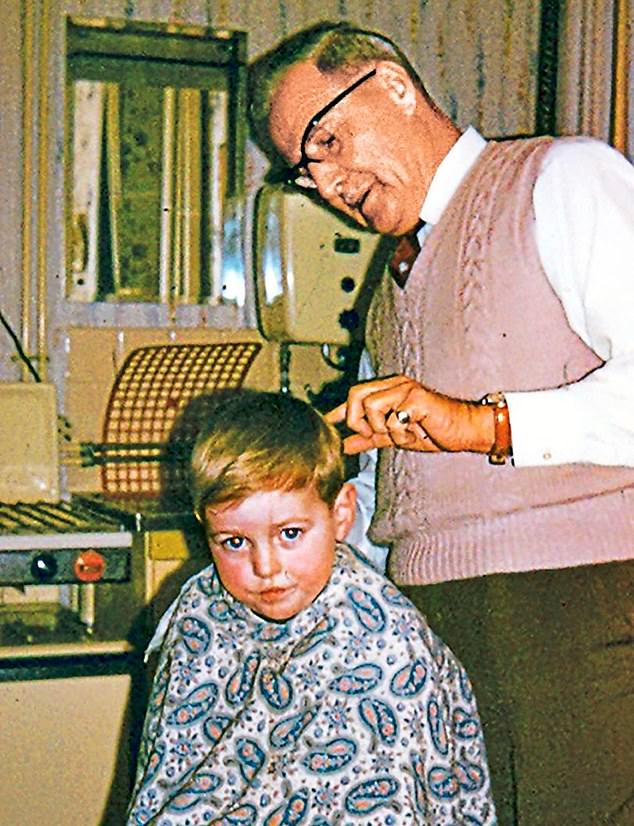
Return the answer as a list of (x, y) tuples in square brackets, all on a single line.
[(299, 173)]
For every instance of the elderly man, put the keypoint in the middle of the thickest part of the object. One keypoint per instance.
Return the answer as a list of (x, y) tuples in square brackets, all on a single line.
[(505, 405)]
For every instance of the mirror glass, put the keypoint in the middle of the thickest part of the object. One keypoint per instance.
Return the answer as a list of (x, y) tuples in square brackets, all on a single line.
[(155, 163)]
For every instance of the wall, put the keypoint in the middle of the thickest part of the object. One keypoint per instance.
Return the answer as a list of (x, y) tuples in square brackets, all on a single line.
[(477, 56)]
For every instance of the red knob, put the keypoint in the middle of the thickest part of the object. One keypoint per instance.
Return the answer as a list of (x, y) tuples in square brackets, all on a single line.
[(90, 566)]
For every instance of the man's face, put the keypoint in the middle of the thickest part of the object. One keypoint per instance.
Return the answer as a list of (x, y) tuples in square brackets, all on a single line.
[(361, 156), (274, 550)]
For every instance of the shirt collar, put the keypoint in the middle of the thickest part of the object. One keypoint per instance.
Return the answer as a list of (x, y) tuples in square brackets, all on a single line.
[(451, 170)]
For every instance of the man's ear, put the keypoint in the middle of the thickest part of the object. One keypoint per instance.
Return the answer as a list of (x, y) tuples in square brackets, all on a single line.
[(344, 510), (398, 84)]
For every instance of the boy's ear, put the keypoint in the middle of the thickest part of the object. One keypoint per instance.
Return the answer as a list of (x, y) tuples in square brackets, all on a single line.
[(344, 510)]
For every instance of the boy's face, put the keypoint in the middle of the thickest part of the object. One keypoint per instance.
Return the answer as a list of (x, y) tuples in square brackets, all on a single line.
[(274, 550)]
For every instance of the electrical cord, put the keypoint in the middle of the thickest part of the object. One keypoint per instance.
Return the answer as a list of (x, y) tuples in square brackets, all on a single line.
[(18, 347)]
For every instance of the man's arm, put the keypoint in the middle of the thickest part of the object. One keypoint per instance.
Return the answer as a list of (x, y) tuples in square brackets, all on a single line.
[(585, 234), (584, 211)]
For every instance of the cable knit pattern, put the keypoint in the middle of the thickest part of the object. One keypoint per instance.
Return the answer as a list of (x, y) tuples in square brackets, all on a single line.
[(478, 314)]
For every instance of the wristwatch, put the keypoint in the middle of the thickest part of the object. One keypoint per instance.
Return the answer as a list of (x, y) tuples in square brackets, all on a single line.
[(502, 445)]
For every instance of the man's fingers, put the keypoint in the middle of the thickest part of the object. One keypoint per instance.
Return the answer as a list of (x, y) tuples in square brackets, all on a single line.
[(359, 444), (337, 414), (341, 414), (364, 400), (380, 406), (368, 407)]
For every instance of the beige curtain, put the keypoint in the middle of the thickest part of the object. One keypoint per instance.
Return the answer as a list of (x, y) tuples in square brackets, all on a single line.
[(623, 79), (595, 75), (476, 56)]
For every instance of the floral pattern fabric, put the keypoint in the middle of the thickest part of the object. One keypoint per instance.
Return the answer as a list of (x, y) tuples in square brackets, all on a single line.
[(352, 713)]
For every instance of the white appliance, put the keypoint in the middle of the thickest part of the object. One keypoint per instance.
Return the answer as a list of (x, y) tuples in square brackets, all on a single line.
[(310, 266)]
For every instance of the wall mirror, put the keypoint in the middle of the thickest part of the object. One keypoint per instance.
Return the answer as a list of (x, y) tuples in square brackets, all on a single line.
[(155, 162)]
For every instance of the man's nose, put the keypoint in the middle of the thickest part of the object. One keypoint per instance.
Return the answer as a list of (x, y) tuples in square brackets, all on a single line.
[(265, 560)]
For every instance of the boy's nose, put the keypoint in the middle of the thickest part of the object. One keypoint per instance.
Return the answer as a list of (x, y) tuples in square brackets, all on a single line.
[(265, 561)]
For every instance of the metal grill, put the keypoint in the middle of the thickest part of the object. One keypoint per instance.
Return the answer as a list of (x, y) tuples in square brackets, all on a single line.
[(44, 517), (150, 393)]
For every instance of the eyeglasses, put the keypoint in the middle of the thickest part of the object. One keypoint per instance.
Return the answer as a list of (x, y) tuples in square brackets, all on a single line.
[(300, 174)]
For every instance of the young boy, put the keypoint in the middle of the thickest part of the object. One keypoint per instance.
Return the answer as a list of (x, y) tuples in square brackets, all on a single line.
[(295, 684)]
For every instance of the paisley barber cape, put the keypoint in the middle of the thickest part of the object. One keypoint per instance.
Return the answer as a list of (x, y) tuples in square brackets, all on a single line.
[(351, 713)]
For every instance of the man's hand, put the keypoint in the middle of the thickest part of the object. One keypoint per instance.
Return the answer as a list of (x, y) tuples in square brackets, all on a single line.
[(399, 411)]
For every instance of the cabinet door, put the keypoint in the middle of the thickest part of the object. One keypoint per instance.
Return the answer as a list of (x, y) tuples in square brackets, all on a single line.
[(66, 747)]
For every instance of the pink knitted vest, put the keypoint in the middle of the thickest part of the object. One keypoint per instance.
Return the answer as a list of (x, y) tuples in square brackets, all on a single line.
[(478, 315)]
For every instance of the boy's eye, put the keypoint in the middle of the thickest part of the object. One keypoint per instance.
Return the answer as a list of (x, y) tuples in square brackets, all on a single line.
[(291, 534), (233, 543)]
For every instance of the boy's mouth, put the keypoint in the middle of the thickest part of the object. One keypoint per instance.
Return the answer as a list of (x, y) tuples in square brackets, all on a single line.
[(273, 594)]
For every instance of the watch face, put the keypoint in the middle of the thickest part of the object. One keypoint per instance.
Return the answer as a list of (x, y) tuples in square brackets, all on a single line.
[(497, 399)]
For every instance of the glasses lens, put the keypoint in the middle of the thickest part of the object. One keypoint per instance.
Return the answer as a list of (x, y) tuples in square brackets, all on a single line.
[(304, 180), (281, 175), (293, 176)]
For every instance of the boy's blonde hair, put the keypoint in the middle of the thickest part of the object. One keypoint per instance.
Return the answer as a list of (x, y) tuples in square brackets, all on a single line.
[(253, 441)]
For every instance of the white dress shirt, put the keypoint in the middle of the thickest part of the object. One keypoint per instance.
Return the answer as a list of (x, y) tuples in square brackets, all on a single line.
[(584, 227)]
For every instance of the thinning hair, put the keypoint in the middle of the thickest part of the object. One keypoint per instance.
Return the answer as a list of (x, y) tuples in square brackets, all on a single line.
[(252, 441), (332, 47)]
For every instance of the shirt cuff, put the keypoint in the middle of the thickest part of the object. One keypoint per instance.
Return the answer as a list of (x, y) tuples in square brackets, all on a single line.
[(546, 428)]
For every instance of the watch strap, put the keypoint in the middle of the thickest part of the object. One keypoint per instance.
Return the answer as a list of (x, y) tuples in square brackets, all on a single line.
[(502, 444)]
